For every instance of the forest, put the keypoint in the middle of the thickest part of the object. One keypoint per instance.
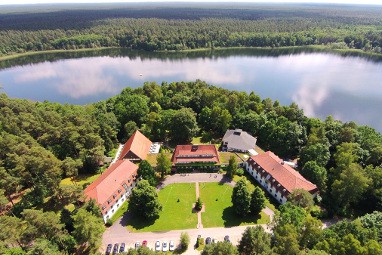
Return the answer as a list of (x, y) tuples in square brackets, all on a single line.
[(154, 27), (44, 142)]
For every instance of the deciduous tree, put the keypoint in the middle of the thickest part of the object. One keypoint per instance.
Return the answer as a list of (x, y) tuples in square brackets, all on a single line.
[(255, 241), (241, 198), (144, 201)]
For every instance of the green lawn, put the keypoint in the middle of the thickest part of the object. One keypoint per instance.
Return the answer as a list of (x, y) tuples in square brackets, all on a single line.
[(80, 180), (224, 157), (219, 211), (177, 200), (152, 158)]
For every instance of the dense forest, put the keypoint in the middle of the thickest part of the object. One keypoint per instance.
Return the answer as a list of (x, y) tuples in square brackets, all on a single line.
[(154, 27), (44, 142)]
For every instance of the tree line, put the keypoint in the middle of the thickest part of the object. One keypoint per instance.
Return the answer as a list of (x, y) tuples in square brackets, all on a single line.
[(183, 28)]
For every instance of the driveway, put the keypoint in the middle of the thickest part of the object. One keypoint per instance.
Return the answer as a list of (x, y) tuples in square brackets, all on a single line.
[(119, 233)]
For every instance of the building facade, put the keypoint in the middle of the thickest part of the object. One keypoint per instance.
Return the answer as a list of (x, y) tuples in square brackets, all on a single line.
[(239, 141), (187, 158), (276, 177), (113, 187)]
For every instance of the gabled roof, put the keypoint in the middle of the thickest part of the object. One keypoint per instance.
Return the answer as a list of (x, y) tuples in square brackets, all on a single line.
[(138, 144), (289, 178), (109, 182), (195, 153), (239, 140)]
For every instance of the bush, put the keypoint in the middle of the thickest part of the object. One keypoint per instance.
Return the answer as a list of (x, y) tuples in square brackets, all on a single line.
[(198, 204), (240, 172), (109, 223), (184, 241)]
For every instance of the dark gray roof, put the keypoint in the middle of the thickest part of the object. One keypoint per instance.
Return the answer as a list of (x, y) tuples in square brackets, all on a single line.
[(239, 140)]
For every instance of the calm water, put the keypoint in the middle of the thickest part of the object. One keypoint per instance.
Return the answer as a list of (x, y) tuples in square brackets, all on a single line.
[(347, 87)]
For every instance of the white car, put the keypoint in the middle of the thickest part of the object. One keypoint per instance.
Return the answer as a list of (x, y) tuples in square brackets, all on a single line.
[(171, 246), (157, 246), (164, 246)]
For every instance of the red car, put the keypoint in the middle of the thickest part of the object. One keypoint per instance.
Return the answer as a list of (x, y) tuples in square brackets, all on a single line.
[(144, 243)]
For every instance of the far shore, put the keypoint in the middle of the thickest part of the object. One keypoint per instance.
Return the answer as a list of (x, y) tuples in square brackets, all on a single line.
[(324, 48)]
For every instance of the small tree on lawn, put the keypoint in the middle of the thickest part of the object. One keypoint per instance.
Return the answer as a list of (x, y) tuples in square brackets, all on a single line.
[(241, 198), (163, 164), (146, 171), (232, 167), (257, 201), (144, 201), (198, 204), (184, 241)]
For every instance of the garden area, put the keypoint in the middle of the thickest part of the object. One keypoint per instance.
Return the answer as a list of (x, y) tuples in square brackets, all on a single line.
[(177, 200), (219, 211)]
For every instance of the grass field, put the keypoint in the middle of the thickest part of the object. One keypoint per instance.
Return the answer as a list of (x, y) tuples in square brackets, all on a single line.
[(224, 157), (80, 180), (219, 211), (177, 200), (152, 158)]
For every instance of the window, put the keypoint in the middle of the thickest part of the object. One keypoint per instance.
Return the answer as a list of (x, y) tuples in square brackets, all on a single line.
[(112, 211), (103, 207), (281, 200), (108, 201), (119, 190)]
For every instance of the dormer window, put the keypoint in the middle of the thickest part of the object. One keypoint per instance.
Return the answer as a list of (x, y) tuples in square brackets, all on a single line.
[(103, 207), (119, 190), (108, 201)]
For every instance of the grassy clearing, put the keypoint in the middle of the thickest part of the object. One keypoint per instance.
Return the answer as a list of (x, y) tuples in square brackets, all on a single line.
[(224, 157), (219, 211), (80, 180), (152, 158), (177, 200)]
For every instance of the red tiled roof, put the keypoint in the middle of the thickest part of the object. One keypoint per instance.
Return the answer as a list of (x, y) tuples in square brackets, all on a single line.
[(289, 178), (195, 153), (109, 182), (137, 144)]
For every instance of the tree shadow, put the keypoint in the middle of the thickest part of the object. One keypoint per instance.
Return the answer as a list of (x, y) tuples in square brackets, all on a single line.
[(231, 219), (129, 219)]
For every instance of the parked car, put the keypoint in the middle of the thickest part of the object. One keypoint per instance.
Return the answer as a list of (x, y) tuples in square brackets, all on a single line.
[(108, 249), (137, 244), (213, 240), (164, 246), (115, 248), (226, 238), (157, 246), (208, 240), (122, 247), (144, 243), (171, 246)]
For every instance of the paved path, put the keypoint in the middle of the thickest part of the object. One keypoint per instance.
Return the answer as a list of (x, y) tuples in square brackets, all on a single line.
[(118, 232), (120, 147), (200, 225)]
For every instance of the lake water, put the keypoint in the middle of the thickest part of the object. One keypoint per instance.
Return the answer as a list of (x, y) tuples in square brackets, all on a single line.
[(347, 87)]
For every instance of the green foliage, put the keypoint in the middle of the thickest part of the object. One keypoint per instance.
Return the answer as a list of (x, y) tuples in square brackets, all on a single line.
[(232, 167), (241, 198), (183, 127), (255, 241), (163, 164), (198, 204), (88, 229), (350, 187), (302, 198), (144, 201), (316, 174), (316, 152), (286, 240), (226, 248), (184, 241), (146, 171), (257, 201)]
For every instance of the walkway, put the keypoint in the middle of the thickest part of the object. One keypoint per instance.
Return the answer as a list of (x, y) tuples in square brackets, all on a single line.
[(120, 147), (119, 233)]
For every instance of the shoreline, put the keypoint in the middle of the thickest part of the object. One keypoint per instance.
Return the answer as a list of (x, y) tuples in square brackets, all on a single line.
[(321, 48)]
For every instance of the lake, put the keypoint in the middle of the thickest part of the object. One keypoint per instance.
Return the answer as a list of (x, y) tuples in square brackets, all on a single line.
[(346, 87)]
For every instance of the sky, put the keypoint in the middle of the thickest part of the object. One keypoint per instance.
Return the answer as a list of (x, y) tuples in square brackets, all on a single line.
[(6, 2)]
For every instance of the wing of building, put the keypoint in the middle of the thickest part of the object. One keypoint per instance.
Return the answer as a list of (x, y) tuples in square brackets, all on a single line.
[(136, 148), (238, 140), (277, 178), (195, 157), (113, 187)]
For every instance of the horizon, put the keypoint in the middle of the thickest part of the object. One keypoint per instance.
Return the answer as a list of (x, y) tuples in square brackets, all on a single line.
[(343, 2)]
